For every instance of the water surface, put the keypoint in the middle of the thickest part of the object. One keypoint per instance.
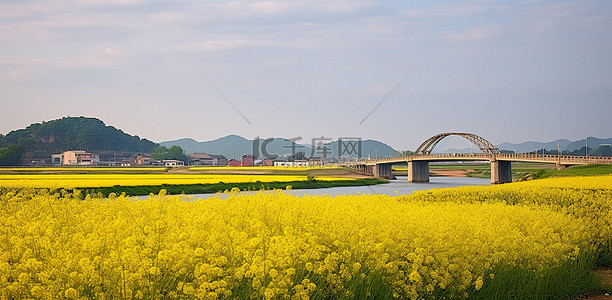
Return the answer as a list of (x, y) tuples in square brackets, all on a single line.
[(401, 185)]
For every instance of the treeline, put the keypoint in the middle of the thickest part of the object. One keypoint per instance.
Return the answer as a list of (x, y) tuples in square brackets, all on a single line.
[(71, 133)]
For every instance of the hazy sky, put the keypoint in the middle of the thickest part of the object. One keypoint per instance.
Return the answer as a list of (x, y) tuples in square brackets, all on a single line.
[(506, 70)]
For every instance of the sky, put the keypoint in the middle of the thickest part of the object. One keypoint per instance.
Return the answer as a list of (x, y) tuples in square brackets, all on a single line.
[(396, 71)]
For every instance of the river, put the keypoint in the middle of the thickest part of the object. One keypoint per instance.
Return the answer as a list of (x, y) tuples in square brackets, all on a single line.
[(401, 185)]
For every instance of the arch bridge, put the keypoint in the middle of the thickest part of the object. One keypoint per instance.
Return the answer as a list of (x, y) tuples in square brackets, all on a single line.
[(501, 164)]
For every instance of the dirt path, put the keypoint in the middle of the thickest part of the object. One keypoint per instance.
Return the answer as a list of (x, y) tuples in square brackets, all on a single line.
[(605, 274), (450, 173)]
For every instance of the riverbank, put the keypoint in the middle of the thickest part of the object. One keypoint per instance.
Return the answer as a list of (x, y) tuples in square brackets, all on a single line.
[(451, 172), (102, 181), (177, 189), (397, 187)]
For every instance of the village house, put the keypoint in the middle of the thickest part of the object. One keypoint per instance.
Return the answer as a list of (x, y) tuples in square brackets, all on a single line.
[(248, 160), (113, 159), (234, 163), (205, 159), (200, 159), (315, 161), (218, 160), (75, 158), (141, 160)]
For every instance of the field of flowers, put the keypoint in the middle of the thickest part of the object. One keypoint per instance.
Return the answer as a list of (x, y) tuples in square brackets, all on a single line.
[(39, 169), (285, 168), (537, 240), (69, 181)]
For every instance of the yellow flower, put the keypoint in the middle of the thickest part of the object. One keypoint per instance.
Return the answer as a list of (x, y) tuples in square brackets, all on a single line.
[(478, 283), (71, 293)]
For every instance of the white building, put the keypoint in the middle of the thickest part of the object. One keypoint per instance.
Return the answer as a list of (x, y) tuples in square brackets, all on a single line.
[(173, 163), (296, 163)]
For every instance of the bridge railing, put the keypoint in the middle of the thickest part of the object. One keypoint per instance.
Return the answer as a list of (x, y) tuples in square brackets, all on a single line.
[(559, 158), (522, 156)]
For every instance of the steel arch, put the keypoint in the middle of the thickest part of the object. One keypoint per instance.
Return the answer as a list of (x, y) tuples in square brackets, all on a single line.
[(482, 144)]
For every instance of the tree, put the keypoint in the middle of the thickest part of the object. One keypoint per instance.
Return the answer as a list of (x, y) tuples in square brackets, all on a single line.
[(11, 155), (300, 155), (27, 144), (175, 152), (159, 153)]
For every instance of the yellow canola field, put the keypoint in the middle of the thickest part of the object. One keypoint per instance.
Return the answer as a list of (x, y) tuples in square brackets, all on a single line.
[(587, 198), (285, 168), (448, 243), (79, 168), (105, 180)]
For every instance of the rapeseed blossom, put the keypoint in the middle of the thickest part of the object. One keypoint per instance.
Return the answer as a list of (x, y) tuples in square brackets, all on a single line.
[(435, 244), (69, 181)]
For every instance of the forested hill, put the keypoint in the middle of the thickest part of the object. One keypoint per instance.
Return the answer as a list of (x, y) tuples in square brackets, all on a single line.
[(70, 133)]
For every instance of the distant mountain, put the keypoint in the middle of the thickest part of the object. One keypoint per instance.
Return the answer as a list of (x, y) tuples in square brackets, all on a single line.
[(531, 146), (564, 144), (236, 146), (229, 146), (370, 148), (71, 133), (593, 143)]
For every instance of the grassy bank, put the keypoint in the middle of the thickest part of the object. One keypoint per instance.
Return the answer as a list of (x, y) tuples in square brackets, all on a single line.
[(316, 171), (175, 189), (586, 170)]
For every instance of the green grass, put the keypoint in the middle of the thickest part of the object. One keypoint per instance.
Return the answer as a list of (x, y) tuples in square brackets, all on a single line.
[(567, 281), (586, 170)]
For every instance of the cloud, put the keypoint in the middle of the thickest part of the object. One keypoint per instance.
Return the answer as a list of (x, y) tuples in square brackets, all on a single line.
[(21, 62), (222, 44), (104, 58), (114, 51), (300, 7), (14, 74), (474, 34), (111, 2)]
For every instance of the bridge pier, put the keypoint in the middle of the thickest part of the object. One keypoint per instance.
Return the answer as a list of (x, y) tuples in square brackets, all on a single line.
[(501, 171), (418, 171), (366, 170), (383, 171)]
